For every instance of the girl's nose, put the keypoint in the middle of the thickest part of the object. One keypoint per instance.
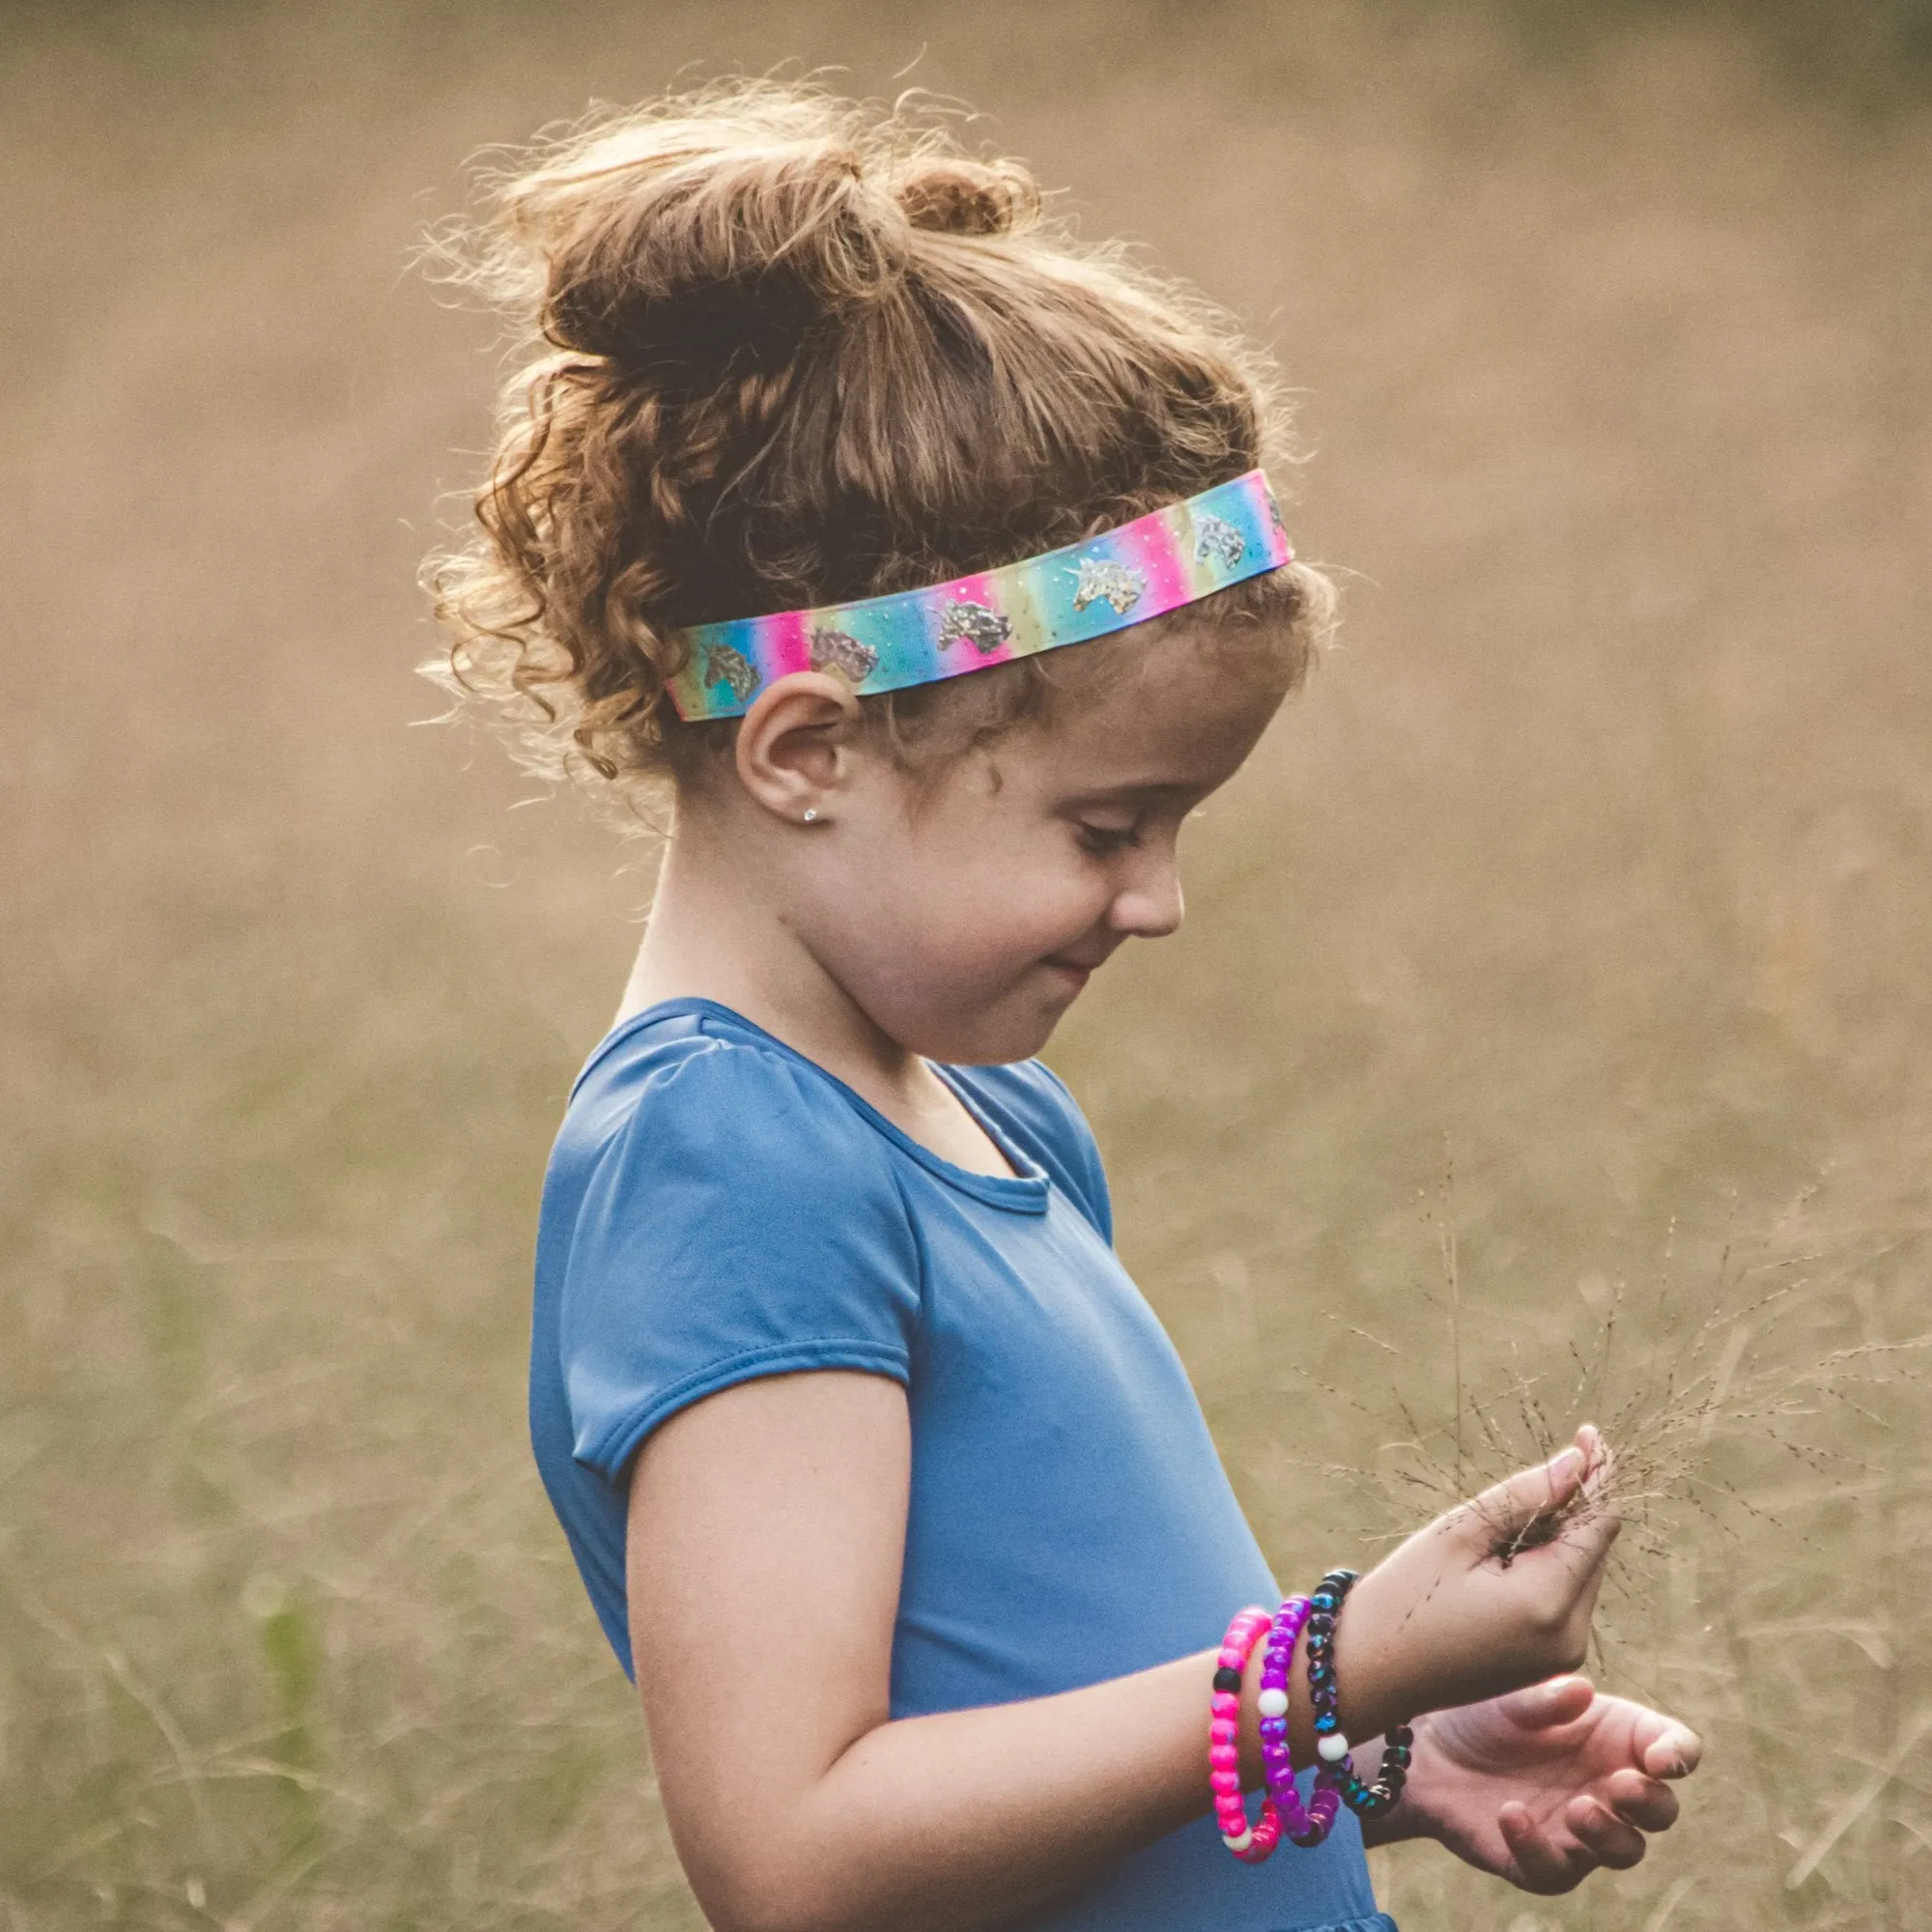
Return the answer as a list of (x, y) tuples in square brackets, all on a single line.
[(1149, 905)]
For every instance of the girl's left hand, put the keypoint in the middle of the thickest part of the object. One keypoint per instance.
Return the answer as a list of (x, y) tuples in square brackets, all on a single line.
[(1543, 1785)]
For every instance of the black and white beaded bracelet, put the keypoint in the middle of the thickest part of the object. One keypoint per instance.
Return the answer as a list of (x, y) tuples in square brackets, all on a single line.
[(1331, 1746)]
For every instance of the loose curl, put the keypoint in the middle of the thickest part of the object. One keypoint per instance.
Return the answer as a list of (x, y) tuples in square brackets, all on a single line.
[(781, 350)]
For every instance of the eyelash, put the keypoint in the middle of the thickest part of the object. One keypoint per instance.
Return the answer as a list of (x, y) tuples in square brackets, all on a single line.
[(1102, 842)]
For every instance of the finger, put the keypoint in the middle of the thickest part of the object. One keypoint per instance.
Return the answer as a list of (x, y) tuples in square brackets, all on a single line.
[(1675, 1751), (1539, 1865), (1604, 1834), (1555, 1702), (1641, 1801), (1586, 1541), (1593, 1525), (1508, 1508), (1595, 1518)]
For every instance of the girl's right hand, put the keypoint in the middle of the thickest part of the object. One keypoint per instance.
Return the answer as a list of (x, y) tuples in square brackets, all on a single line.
[(1493, 1595)]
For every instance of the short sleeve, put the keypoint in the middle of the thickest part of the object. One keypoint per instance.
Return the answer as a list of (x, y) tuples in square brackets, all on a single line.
[(737, 1219)]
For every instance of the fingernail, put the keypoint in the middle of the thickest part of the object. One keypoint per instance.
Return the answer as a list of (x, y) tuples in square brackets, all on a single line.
[(1562, 1467)]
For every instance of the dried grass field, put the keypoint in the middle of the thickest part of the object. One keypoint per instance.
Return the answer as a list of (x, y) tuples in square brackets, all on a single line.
[(1551, 1033)]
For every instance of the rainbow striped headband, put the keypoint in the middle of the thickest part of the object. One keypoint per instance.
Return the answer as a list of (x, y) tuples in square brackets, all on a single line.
[(1144, 569)]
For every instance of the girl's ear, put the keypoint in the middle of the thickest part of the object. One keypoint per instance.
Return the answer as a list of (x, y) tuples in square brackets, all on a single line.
[(795, 746)]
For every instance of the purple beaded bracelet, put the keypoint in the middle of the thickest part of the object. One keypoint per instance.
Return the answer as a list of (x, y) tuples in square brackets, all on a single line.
[(1304, 1825)]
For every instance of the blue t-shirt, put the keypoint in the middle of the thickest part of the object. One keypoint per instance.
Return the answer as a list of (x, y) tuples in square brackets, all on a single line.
[(719, 1208)]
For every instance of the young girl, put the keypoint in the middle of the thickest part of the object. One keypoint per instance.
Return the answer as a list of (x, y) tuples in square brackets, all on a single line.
[(925, 558)]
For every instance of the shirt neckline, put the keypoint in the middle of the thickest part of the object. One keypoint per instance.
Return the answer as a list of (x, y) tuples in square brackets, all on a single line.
[(1023, 1191)]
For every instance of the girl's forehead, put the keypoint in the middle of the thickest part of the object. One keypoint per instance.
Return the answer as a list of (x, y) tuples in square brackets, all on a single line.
[(1160, 734)]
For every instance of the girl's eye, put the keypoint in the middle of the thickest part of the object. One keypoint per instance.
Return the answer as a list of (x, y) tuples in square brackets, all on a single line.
[(1102, 839)]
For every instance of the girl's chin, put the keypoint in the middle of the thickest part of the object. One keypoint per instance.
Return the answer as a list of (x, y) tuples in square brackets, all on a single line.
[(1018, 1031)]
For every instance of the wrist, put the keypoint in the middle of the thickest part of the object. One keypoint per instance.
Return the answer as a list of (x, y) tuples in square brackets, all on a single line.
[(1377, 1671)]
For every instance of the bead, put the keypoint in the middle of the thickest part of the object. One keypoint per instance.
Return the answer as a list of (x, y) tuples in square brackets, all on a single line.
[(1273, 1727), (1225, 1703), (1224, 1757), (1223, 1730), (1272, 1703), (1332, 1748), (1327, 1721), (1228, 1781), (1240, 1844), (1228, 1679)]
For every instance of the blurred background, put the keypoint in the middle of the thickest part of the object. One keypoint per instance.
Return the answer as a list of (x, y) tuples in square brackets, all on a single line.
[(1552, 1034)]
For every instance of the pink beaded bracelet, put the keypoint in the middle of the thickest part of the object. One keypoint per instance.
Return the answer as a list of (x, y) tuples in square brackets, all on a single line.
[(1249, 1842)]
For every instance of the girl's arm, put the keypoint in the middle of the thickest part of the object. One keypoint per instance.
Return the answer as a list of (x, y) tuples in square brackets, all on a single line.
[(767, 1526)]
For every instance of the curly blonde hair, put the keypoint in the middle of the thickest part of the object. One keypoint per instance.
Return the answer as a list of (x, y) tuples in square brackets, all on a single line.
[(779, 349)]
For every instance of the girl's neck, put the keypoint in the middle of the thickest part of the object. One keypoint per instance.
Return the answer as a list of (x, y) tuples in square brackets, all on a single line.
[(709, 937)]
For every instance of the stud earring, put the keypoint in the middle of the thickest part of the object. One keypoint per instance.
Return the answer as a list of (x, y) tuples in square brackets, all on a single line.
[(812, 814)]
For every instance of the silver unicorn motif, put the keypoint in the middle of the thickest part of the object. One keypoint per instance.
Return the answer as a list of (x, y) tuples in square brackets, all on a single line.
[(1101, 581), (841, 653), (722, 665), (987, 630), (1221, 540)]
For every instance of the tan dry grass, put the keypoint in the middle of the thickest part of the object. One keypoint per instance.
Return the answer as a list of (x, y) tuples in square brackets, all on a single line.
[(1601, 847)]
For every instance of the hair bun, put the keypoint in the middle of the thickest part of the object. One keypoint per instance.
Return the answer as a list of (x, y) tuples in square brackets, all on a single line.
[(954, 195), (673, 247)]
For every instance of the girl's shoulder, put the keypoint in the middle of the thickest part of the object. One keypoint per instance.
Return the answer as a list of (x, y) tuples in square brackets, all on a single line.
[(713, 1211), (693, 1072)]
